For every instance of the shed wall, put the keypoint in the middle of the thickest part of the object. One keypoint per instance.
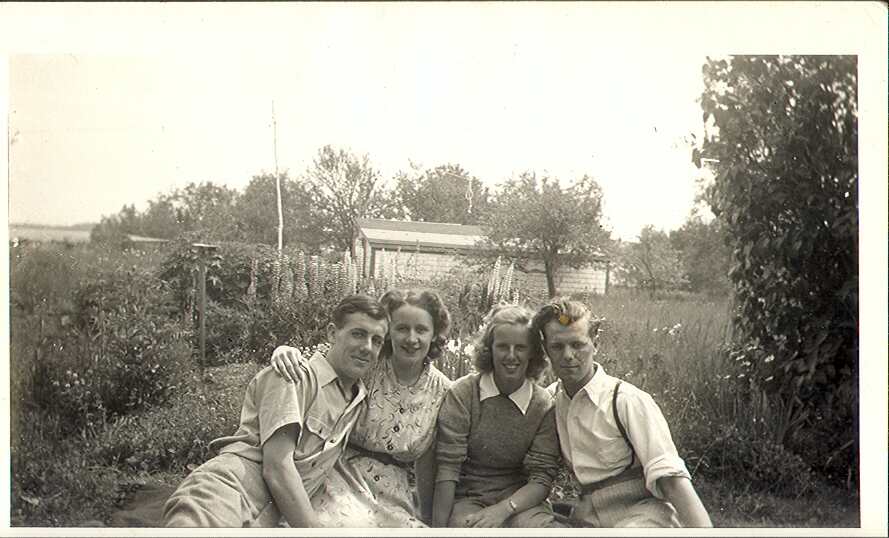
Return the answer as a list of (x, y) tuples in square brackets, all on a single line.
[(412, 264)]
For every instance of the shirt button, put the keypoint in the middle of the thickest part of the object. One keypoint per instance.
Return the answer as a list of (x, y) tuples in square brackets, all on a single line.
[(396, 428)]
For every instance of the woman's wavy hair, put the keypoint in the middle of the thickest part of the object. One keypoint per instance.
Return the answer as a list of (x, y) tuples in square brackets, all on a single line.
[(508, 314), (429, 301)]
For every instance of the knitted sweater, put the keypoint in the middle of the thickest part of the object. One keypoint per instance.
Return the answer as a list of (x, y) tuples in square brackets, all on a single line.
[(490, 448)]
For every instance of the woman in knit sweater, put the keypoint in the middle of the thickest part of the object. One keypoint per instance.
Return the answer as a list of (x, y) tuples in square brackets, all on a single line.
[(498, 452)]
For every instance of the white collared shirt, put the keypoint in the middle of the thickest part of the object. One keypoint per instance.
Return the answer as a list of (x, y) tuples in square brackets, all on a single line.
[(487, 388), (592, 444)]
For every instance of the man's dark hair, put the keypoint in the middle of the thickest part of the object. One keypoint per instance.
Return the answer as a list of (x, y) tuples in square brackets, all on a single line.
[(357, 304)]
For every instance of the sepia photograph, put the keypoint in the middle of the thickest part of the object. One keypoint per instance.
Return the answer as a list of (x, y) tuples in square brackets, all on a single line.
[(559, 268)]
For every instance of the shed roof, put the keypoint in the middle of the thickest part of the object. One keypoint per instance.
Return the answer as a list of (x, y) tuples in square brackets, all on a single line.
[(381, 232), (435, 236)]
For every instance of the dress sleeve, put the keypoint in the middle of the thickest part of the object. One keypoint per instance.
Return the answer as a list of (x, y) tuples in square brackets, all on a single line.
[(453, 430), (648, 431), (542, 460)]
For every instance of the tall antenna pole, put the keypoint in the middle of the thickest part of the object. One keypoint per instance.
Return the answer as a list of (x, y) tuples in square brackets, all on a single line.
[(278, 184)]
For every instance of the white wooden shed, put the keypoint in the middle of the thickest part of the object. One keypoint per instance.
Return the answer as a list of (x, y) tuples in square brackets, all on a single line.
[(427, 249)]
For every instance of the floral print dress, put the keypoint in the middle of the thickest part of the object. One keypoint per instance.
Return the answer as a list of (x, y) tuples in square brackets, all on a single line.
[(373, 484)]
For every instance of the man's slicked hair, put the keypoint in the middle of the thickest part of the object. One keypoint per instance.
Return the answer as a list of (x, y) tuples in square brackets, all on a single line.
[(565, 311), (358, 304)]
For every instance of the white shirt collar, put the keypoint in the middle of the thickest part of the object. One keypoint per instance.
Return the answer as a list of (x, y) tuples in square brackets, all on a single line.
[(599, 384), (487, 388)]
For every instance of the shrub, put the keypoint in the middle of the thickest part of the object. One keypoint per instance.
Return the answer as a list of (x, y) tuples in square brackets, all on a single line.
[(123, 353), (733, 454), (785, 148), (300, 324), (256, 303), (174, 435), (54, 482), (41, 280), (227, 331)]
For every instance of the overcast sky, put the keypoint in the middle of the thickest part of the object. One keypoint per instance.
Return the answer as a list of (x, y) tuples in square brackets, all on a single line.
[(148, 98)]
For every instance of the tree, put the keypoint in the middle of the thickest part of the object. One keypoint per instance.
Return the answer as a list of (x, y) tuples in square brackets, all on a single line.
[(160, 219), (206, 209), (344, 188), (446, 193), (537, 220), (651, 262), (703, 254), (113, 230), (784, 139), (257, 216)]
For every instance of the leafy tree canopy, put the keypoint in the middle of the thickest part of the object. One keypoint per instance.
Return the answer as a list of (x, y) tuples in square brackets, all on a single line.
[(651, 262), (446, 193), (257, 217), (534, 218), (703, 254), (206, 209), (343, 188)]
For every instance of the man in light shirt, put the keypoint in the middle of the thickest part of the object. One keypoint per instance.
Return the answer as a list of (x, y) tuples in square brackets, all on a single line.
[(290, 434), (612, 435)]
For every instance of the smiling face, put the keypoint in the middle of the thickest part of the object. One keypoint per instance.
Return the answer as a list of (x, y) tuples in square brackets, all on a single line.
[(571, 352), (354, 347), (411, 333), (510, 352)]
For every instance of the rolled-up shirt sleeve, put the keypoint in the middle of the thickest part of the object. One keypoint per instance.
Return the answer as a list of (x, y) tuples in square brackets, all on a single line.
[(648, 431), (453, 432), (542, 460)]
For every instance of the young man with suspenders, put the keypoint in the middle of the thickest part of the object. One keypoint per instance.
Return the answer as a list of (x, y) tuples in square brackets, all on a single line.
[(613, 436)]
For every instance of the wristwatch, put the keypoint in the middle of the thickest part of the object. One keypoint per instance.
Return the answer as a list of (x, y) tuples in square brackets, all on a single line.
[(512, 507)]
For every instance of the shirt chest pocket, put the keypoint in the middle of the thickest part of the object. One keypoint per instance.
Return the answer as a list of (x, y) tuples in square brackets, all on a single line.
[(613, 450), (320, 428)]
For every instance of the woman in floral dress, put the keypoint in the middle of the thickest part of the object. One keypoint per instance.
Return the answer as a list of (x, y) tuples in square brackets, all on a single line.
[(386, 475)]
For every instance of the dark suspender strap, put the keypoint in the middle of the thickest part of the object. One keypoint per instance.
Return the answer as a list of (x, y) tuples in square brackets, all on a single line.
[(620, 426)]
